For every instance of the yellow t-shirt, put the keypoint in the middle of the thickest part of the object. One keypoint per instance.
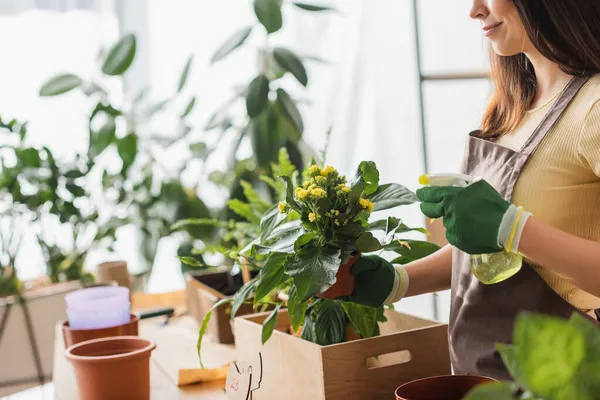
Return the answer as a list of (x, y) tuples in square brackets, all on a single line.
[(560, 184)]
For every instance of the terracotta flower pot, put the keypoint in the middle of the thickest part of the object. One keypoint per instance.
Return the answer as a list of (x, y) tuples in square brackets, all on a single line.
[(344, 283), (112, 368), (74, 336), (448, 387)]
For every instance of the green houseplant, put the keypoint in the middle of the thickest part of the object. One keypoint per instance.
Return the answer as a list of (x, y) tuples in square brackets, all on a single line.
[(550, 359), (302, 242), (141, 190)]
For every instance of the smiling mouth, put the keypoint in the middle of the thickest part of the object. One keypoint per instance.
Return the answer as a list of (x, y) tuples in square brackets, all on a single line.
[(489, 29)]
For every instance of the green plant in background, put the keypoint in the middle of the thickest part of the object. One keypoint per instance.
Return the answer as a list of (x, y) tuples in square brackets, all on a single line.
[(551, 359), (141, 190), (298, 245), (271, 118)]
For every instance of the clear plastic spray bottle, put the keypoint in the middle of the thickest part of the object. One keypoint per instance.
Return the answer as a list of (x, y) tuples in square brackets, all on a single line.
[(487, 268)]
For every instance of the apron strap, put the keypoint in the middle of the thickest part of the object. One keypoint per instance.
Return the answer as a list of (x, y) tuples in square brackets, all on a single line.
[(552, 116)]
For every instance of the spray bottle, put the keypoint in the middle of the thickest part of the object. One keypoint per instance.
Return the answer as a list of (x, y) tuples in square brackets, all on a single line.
[(487, 268)]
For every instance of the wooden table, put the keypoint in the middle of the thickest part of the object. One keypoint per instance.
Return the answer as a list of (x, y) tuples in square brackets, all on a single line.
[(175, 348)]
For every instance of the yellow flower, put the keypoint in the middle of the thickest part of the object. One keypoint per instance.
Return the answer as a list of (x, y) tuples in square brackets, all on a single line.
[(321, 180), (312, 217), (313, 170), (366, 204), (301, 193), (328, 170), (306, 184), (344, 188), (318, 193), (282, 207)]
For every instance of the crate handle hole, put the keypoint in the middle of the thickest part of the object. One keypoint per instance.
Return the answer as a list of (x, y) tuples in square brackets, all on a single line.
[(388, 359)]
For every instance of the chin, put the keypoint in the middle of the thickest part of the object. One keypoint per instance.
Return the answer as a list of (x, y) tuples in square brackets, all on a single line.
[(503, 50)]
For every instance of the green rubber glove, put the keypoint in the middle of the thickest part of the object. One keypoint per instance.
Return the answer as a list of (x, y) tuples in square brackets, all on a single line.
[(378, 282), (477, 219)]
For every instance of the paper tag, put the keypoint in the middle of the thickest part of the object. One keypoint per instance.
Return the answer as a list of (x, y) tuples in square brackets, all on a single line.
[(237, 385)]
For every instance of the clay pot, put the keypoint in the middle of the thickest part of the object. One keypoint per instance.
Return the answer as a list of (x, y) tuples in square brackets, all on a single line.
[(344, 280), (112, 368), (74, 336), (448, 387)]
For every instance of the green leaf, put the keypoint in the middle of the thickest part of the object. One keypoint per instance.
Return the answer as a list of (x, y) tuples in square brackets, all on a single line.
[(507, 352), (241, 295), (367, 243), (290, 62), (367, 172), (29, 157), (296, 308), (257, 204), (184, 74), (271, 219), (291, 111), (284, 167), (289, 193), (269, 14), (549, 352), (417, 249), (265, 137), (308, 329), (313, 270), (312, 7), (363, 318), (204, 326), (271, 275), (127, 148), (74, 174), (191, 261), (270, 324), (199, 150), (330, 323), (587, 375), (234, 41), (189, 107), (493, 391), (243, 210), (103, 138), (120, 56), (303, 240), (258, 95), (382, 224), (392, 226), (60, 84), (391, 195), (75, 190)]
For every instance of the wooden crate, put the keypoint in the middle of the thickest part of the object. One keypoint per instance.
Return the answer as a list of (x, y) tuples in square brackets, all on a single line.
[(366, 369), (200, 297)]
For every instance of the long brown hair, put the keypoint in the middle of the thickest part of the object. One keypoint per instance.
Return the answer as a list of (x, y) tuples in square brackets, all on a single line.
[(565, 32)]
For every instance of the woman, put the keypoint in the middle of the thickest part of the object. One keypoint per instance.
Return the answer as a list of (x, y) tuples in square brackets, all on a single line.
[(538, 148)]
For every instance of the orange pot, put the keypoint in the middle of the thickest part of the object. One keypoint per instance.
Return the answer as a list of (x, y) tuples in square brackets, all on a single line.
[(112, 368), (344, 280), (74, 336), (447, 387)]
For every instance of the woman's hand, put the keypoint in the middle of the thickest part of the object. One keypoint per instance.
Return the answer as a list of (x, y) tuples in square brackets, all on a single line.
[(477, 219)]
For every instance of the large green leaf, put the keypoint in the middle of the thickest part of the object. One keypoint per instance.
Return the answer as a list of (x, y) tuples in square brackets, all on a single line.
[(587, 375), (416, 249), (127, 148), (265, 138), (391, 195), (269, 221), (184, 74), (296, 308), (292, 63), (308, 329), (100, 140), (271, 275), (269, 14), (383, 223), (291, 111), (120, 56), (313, 270), (494, 391), (289, 192), (234, 41), (330, 323), (269, 324), (60, 84), (549, 351), (312, 7), (204, 326), (29, 157), (363, 318), (367, 243), (241, 295), (258, 95)]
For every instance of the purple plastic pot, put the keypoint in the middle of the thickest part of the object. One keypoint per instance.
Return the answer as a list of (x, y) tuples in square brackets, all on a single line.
[(98, 307)]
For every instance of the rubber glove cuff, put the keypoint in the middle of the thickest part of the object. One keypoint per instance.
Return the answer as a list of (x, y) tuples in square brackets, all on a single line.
[(511, 228), (400, 286)]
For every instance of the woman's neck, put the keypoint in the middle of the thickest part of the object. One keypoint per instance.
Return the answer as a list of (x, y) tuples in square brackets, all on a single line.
[(550, 78)]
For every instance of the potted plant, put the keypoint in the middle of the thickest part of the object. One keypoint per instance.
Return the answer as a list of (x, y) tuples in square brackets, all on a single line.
[(550, 359)]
